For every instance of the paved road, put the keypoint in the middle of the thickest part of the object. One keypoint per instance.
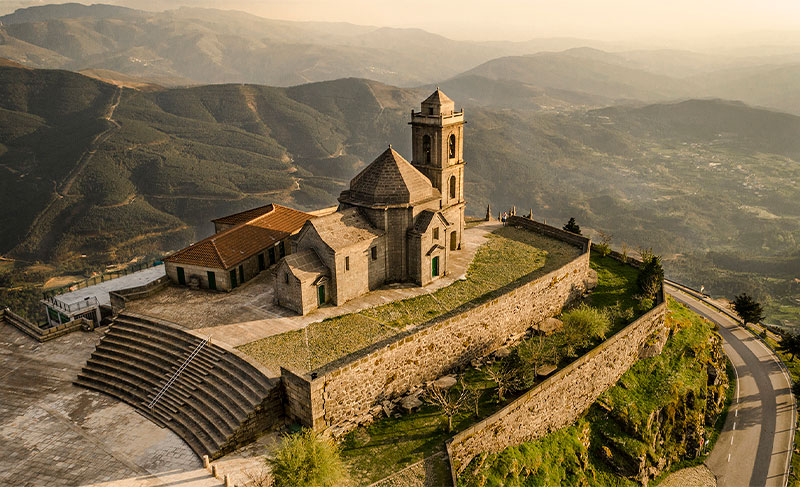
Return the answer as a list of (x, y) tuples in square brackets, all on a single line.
[(755, 446)]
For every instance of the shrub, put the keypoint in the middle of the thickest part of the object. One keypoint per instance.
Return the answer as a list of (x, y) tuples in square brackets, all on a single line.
[(645, 304), (651, 274), (584, 323), (306, 459), (534, 353), (604, 245)]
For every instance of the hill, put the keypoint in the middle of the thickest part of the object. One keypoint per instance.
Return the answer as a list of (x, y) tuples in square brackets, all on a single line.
[(144, 175), (168, 160), (588, 71), (773, 86), (217, 46)]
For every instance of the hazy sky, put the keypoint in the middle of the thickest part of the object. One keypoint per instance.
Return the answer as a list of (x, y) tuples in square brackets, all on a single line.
[(520, 19), (524, 19)]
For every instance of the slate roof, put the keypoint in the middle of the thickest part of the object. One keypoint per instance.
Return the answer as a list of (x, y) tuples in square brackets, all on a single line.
[(228, 248), (389, 180), (424, 220), (306, 265), (344, 229)]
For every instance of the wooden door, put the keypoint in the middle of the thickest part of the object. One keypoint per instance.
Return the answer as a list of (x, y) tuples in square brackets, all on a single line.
[(212, 280)]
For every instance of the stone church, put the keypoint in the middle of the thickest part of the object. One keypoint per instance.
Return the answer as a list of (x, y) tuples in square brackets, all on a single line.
[(400, 221)]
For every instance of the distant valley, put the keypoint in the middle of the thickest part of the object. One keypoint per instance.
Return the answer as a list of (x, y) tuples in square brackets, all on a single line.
[(646, 146)]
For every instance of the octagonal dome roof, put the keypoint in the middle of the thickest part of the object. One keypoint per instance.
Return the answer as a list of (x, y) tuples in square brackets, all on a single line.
[(390, 179)]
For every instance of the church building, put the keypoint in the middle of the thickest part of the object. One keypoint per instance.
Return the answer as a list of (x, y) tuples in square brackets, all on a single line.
[(399, 221)]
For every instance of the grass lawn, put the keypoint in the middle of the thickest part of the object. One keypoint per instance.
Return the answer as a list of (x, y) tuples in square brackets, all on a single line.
[(390, 444), (616, 283), (510, 254)]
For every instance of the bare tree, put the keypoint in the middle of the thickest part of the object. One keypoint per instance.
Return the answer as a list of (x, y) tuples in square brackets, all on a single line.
[(475, 395), (448, 401), (505, 378)]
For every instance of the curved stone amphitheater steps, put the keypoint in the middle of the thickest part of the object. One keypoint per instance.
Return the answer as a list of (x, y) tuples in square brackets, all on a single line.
[(218, 402)]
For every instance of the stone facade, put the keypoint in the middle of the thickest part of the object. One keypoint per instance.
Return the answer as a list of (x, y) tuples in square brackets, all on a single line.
[(415, 212), (561, 399), (245, 270), (347, 388)]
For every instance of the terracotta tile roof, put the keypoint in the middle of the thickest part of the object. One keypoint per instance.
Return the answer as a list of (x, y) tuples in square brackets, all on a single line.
[(244, 216), (344, 229), (228, 248), (306, 266), (390, 179)]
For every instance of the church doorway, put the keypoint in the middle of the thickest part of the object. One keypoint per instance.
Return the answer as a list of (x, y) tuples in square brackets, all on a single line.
[(435, 267), (453, 241), (321, 294)]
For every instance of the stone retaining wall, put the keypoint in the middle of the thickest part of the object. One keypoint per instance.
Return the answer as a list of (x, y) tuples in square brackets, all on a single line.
[(267, 416), (560, 399), (339, 395)]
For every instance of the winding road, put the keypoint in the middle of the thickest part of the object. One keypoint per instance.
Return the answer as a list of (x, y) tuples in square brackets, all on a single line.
[(755, 446)]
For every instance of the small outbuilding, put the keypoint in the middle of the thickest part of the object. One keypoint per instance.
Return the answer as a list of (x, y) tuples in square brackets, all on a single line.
[(245, 244)]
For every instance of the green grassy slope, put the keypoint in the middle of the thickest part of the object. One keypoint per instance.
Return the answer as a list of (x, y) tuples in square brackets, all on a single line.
[(652, 419)]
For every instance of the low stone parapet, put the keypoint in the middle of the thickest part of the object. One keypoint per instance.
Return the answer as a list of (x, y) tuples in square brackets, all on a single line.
[(120, 297), (38, 333)]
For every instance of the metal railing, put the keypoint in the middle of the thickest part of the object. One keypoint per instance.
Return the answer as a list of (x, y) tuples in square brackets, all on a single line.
[(178, 373), (105, 276), (56, 303)]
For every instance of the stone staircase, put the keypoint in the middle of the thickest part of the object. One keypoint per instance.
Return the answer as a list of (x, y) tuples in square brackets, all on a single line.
[(219, 401)]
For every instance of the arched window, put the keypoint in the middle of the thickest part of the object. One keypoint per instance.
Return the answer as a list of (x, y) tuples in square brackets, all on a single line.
[(452, 186), (453, 241), (426, 148), (452, 146)]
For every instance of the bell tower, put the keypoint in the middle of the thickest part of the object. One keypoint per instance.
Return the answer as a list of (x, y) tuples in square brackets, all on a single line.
[(437, 139)]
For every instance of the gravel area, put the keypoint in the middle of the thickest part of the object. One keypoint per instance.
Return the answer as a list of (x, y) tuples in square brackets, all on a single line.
[(699, 476)]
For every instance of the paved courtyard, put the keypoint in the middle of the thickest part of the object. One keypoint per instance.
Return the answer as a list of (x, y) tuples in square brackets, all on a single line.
[(248, 313), (53, 433)]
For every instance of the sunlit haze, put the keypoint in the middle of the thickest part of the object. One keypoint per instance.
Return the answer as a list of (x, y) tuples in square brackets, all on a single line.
[(679, 22)]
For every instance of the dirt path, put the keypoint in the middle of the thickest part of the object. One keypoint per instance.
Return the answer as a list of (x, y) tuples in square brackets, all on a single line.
[(98, 140), (83, 161)]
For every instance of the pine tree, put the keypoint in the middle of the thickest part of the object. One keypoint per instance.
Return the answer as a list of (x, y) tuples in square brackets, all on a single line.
[(573, 227), (790, 343), (748, 308)]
